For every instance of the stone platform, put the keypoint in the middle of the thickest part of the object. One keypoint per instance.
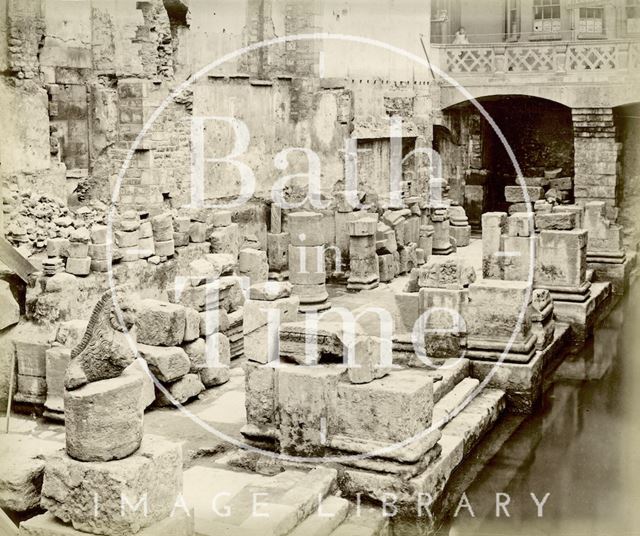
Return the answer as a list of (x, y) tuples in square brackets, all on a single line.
[(617, 273), (581, 316), (523, 382)]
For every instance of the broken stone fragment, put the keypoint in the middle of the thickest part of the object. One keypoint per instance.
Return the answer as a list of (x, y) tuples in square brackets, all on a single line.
[(366, 362), (103, 419), (168, 363), (182, 390), (270, 291), (21, 469)]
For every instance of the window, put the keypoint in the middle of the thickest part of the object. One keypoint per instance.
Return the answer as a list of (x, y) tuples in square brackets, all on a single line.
[(513, 18), (591, 20), (632, 9), (546, 16)]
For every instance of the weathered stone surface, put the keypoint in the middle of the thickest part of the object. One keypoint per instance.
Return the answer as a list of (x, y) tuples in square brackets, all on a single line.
[(154, 472), (278, 251), (140, 369), (21, 468), (516, 194), (202, 271), (270, 291), (212, 321), (160, 323), (182, 390), (446, 273), (104, 351), (57, 359), (168, 363), (226, 240), (520, 224), (223, 263), (253, 264), (10, 310), (261, 398), (256, 312), (103, 420), (213, 365), (181, 524), (306, 395), (487, 321), (306, 265), (561, 259), (556, 221), (369, 361), (305, 229), (78, 266), (394, 408), (192, 324)]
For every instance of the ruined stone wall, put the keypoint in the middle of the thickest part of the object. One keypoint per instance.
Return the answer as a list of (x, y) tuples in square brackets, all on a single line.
[(628, 132)]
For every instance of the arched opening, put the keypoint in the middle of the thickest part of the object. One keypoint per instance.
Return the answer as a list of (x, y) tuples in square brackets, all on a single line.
[(539, 131)]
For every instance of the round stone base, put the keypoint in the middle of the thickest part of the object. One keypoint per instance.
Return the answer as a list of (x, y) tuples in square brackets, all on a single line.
[(103, 420)]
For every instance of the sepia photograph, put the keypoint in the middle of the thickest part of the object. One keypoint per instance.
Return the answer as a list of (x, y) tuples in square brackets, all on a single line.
[(319, 267)]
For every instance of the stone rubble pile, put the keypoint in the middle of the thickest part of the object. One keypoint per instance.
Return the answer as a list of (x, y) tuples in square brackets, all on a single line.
[(33, 219)]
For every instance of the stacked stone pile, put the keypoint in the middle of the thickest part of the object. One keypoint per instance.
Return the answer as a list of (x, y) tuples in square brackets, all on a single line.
[(543, 192), (32, 219)]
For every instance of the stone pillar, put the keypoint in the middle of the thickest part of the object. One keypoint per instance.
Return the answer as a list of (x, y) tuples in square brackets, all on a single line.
[(306, 261), (443, 294), (277, 246), (596, 155), (364, 272), (494, 225), (460, 230), (269, 304)]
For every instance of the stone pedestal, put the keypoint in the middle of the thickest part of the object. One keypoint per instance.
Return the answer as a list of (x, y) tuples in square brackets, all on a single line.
[(494, 226), (441, 232), (306, 261), (263, 313), (103, 419), (460, 229), (498, 320), (363, 261), (561, 265), (425, 241), (57, 358), (105, 497), (442, 297)]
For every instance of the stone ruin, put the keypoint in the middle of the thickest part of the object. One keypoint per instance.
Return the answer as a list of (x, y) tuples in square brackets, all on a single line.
[(107, 451)]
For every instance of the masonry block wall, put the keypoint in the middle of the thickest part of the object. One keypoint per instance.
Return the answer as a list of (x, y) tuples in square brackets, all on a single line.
[(596, 157)]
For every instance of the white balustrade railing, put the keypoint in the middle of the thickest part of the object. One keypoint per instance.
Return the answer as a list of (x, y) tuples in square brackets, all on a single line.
[(557, 57)]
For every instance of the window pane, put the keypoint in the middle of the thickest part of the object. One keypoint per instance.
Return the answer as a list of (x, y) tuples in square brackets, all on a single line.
[(556, 12)]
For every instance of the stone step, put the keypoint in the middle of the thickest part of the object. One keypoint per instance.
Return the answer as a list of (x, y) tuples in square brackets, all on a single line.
[(452, 371), (450, 402), (458, 437), (366, 521), (477, 418), (332, 512), (254, 504)]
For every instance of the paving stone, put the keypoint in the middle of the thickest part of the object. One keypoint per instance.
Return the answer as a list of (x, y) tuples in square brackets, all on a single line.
[(180, 524), (103, 419), (332, 511), (21, 469), (154, 471)]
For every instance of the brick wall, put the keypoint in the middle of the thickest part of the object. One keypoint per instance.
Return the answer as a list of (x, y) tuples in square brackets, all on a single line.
[(596, 156)]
